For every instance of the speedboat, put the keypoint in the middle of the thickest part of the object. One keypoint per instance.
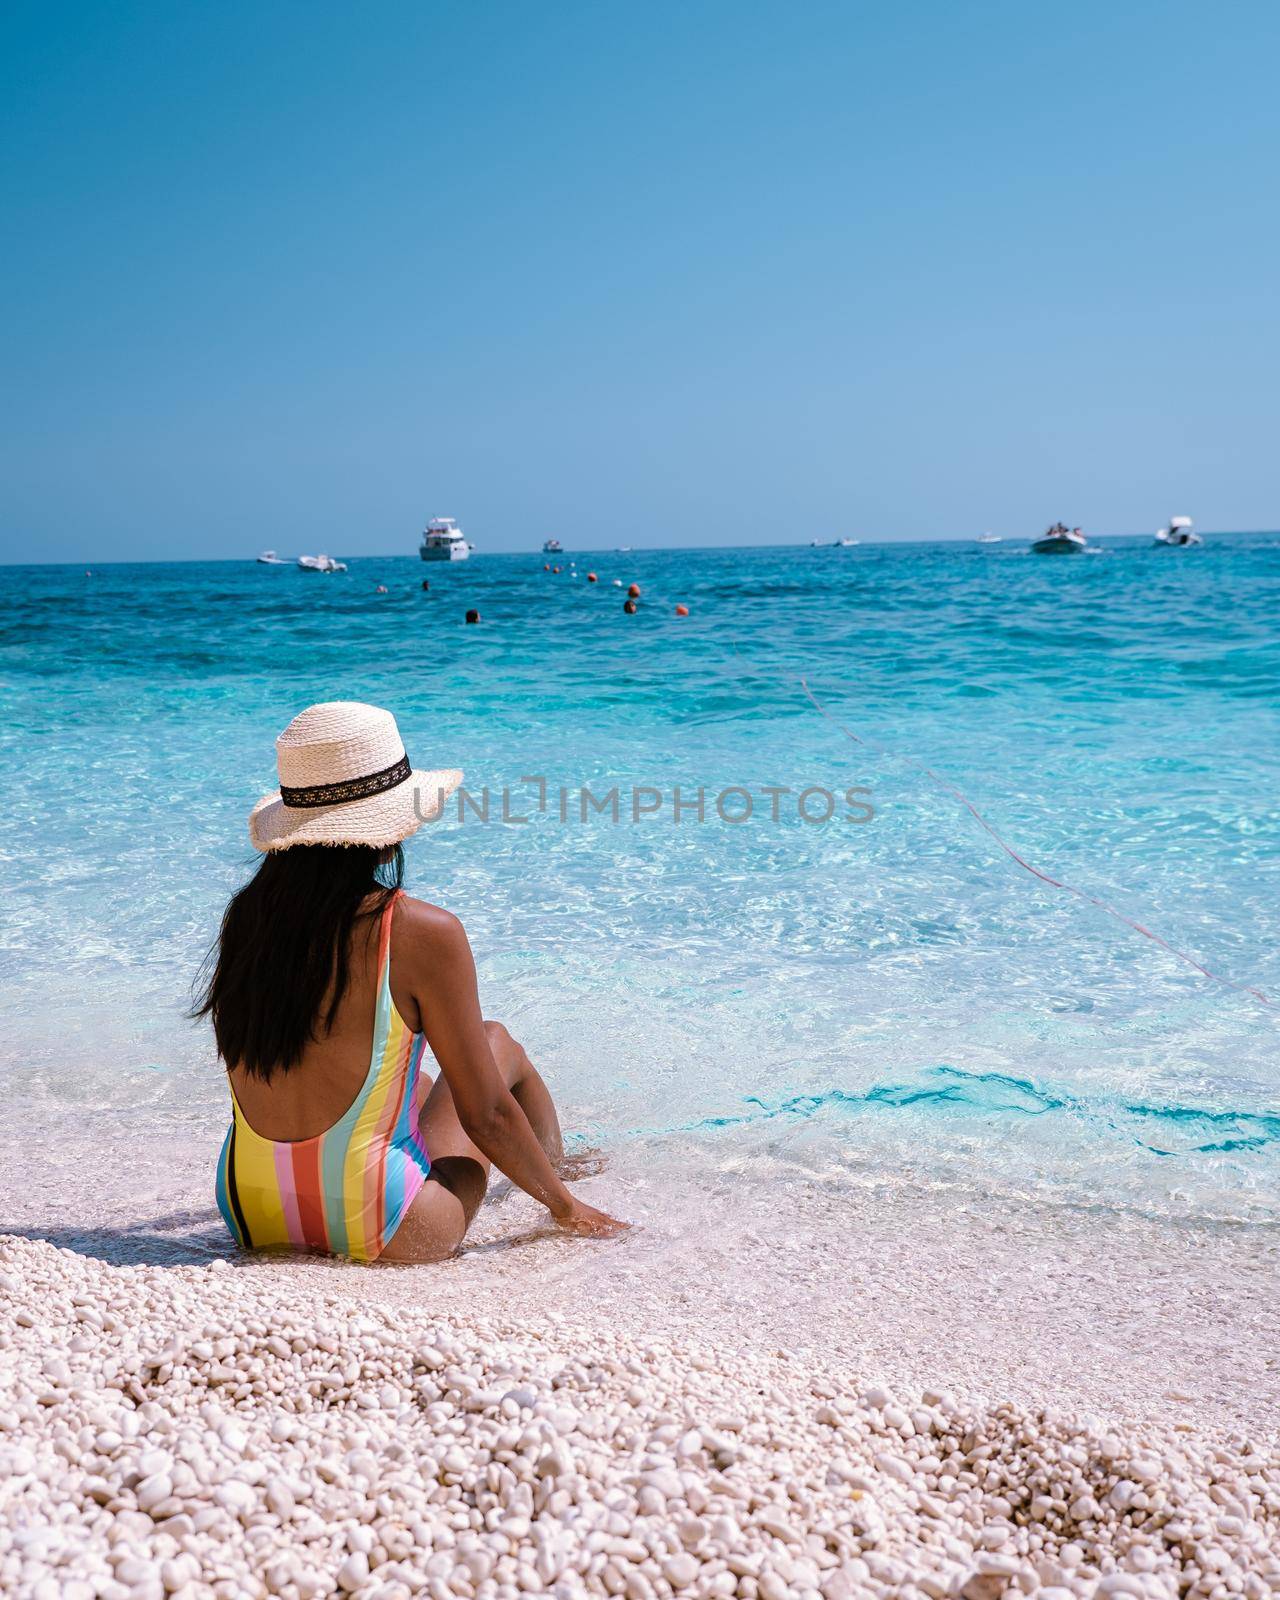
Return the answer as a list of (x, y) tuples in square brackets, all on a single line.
[(1060, 541), (442, 540), (987, 538), (321, 564), (552, 547), (269, 558), (1179, 535), (846, 544)]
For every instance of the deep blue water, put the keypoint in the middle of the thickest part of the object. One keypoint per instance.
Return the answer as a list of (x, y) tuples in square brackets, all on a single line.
[(854, 997)]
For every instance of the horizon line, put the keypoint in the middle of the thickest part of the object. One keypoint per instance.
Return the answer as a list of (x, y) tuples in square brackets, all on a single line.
[(826, 544)]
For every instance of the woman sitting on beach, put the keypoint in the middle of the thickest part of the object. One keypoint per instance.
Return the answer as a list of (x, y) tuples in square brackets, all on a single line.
[(329, 985)]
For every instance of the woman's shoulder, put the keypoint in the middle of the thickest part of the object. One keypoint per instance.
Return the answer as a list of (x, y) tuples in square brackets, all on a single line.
[(429, 947), (427, 925)]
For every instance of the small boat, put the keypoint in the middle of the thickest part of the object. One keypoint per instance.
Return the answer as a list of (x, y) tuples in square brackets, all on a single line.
[(1179, 535), (845, 544), (269, 558), (552, 547), (1060, 540), (987, 538), (442, 540), (321, 563)]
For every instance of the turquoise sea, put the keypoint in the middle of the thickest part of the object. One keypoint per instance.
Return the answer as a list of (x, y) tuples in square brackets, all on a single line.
[(858, 1001)]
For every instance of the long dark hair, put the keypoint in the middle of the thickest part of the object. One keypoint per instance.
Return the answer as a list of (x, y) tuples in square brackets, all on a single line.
[(285, 944)]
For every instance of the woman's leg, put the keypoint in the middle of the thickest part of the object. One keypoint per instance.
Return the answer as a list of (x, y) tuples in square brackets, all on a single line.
[(434, 1225), (530, 1093)]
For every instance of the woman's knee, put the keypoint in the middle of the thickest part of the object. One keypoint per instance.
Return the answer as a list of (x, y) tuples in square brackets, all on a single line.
[(508, 1053), (500, 1040)]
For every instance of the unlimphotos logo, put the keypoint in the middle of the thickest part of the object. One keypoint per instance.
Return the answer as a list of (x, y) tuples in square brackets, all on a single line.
[(734, 805)]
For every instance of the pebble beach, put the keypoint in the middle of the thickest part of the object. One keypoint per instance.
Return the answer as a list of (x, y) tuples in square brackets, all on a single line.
[(299, 1429)]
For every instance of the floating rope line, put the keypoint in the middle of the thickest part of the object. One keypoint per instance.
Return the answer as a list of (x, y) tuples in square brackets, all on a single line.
[(1027, 866), (950, 788)]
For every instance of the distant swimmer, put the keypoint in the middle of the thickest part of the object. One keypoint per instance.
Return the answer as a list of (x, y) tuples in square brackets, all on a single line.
[(381, 589), (473, 616), (425, 585), (629, 606)]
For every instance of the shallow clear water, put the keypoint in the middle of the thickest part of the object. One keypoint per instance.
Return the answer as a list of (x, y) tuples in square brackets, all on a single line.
[(850, 1001)]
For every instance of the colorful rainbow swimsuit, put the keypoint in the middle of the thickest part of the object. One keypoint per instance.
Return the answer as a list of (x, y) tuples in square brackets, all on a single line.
[(344, 1191)]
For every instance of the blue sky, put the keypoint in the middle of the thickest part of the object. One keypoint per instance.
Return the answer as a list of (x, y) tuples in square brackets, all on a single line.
[(303, 274)]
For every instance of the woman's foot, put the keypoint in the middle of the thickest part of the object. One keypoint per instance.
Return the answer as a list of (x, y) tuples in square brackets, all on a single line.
[(575, 1165)]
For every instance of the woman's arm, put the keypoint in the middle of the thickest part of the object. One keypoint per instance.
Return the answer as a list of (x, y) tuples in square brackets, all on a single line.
[(489, 1113)]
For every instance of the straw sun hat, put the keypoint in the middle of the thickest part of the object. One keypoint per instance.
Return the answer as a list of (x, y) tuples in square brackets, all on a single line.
[(345, 779)]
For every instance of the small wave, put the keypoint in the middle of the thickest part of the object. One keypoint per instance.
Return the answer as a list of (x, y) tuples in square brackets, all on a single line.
[(1202, 1130)]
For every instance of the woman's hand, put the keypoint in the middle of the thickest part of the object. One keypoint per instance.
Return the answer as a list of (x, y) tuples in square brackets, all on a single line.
[(587, 1222)]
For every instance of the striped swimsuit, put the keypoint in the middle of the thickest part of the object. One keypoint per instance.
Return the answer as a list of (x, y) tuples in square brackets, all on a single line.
[(344, 1191)]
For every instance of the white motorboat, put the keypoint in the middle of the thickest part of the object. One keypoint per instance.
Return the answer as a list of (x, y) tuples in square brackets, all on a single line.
[(846, 544), (988, 538), (442, 540), (269, 558), (321, 563), (552, 547), (1179, 535), (1060, 541)]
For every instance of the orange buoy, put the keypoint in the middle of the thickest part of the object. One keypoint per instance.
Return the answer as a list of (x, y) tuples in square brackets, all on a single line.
[(634, 591), (591, 577), (682, 611), (555, 569)]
